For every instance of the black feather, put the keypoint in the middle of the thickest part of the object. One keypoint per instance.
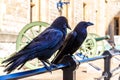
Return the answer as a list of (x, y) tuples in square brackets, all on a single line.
[(73, 41), (41, 47)]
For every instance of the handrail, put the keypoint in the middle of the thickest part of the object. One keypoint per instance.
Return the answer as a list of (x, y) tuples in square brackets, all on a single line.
[(30, 72), (68, 65)]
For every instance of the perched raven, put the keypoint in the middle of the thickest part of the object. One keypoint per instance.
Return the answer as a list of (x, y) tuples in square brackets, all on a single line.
[(73, 41), (41, 47)]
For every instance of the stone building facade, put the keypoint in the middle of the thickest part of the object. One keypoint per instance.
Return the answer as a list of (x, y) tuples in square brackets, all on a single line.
[(15, 14), (100, 12)]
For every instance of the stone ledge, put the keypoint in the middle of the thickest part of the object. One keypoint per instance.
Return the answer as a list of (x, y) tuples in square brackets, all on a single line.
[(6, 37)]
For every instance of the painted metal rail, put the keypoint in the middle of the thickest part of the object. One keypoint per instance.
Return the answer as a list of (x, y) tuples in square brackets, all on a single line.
[(68, 65)]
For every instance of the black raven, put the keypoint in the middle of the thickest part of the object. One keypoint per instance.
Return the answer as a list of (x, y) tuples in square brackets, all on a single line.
[(42, 47), (73, 41)]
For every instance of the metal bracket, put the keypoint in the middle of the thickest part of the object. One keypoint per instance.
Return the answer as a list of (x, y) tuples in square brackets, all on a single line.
[(70, 70)]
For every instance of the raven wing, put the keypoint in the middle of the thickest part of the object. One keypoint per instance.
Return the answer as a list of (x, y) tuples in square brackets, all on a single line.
[(47, 40), (67, 44)]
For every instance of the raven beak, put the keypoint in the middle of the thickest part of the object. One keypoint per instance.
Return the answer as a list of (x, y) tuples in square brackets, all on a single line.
[(89, 23), (69, 27)]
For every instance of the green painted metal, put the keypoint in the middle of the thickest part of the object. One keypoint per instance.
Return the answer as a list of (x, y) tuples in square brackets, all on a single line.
[(102, 38), (93, 45), (99, 43), (22, 33), (89, 46)]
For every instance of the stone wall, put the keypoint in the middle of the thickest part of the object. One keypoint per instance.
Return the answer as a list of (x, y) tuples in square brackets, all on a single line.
[(15, 14)]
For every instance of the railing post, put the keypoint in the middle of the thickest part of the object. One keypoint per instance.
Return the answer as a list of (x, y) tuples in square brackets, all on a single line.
[(69, 72), (107, 60)]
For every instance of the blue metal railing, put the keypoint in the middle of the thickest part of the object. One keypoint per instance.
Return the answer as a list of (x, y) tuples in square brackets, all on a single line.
[(30, 72), (68, 65)]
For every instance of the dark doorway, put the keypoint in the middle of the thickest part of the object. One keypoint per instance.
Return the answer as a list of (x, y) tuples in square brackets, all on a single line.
[(116, 26)]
